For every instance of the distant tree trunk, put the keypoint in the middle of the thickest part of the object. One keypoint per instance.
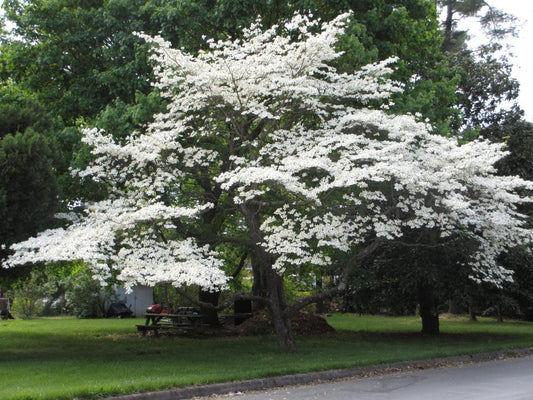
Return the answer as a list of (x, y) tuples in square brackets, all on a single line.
[(453, 308), (448, 26), (210, 315), (428, 310), (165, 292), (499, 313), (320, 305), (471, 313)]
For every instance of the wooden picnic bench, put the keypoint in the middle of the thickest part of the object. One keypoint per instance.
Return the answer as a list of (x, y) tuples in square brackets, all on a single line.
[(181, 319)]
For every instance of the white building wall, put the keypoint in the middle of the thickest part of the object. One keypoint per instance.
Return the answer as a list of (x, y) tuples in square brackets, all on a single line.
[(138, 300)]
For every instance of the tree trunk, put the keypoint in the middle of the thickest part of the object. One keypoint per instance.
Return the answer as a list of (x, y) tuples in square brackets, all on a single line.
[(259, 285), (278, 309), (274, 282), (448, 26), (210, 315), (428, 310)]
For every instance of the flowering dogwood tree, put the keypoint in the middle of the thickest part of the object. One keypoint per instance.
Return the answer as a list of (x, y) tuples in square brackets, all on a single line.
[(265, 145)]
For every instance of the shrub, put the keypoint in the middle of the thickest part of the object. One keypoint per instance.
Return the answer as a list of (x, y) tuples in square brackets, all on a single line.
[(28, 299)]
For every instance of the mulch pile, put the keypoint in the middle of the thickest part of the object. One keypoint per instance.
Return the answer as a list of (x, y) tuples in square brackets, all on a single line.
[(303, 323), (260, 323)]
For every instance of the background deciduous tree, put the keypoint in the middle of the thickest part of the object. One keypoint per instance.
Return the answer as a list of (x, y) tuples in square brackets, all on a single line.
[(27, 186)]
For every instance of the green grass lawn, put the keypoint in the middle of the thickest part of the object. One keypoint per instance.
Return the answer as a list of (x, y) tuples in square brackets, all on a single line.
[(68, 358)]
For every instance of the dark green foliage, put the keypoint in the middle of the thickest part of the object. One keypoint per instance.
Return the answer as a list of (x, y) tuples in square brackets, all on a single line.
[(485, 86), (27, 185), (28, 194), (77, 56), (123, 118), (519, 293), (519, 140), (407, 274), (20, 110)]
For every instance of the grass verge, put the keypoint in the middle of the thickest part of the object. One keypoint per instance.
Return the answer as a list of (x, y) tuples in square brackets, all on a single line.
[(71, 358)]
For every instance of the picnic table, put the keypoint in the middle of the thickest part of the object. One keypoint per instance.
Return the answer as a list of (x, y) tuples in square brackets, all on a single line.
[(182, 318)]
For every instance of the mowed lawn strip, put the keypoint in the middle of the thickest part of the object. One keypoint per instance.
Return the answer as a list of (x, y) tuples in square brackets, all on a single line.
[(56, 358)]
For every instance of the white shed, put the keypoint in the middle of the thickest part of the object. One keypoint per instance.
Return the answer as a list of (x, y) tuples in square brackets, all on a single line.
[(138, 299)]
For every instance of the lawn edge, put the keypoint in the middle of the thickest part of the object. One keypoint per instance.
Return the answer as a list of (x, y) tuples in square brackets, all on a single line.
[(190, 392)]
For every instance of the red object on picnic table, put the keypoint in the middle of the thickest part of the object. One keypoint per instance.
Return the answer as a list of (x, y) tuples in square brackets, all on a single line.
[(159, 309)]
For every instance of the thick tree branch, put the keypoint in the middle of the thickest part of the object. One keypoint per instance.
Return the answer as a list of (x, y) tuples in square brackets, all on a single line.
[(240, 266), (341, 285), (262, 203), (226, 304), (424, 245), (243, 296), (218, 241)]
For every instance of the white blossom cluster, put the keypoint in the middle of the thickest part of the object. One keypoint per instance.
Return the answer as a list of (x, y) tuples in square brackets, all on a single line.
[(268, 121), (115, 235), (407, 180), (263, 74)]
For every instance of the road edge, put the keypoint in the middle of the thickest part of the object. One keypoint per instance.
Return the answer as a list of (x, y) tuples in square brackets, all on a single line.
[(190, 392)]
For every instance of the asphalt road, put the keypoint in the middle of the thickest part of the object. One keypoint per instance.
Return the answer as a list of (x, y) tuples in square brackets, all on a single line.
[(510, 379)]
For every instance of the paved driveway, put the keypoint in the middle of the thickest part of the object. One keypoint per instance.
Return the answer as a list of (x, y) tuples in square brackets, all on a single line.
[(502, 380)]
